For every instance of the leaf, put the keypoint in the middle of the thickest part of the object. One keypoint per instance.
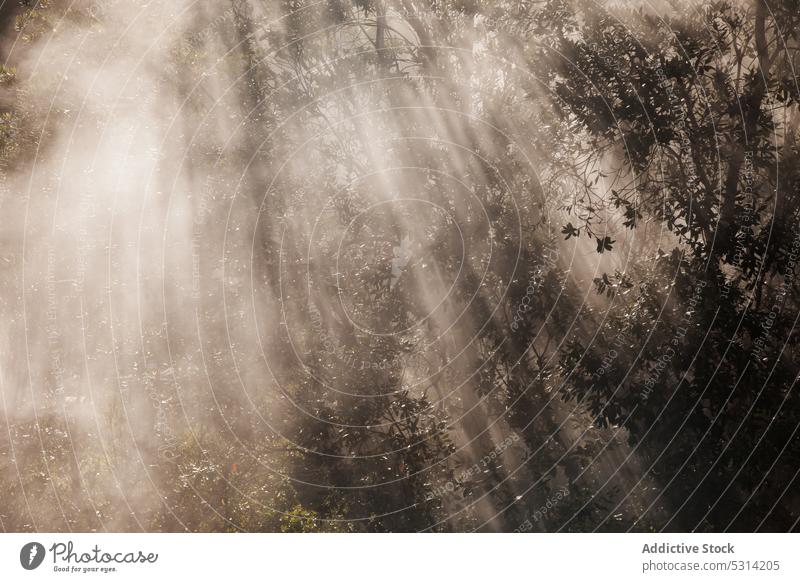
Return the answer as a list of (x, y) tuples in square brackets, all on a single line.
[(569, 231), (604, 244)]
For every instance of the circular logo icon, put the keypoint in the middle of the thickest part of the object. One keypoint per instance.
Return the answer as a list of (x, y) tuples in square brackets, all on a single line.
[(31, 555)]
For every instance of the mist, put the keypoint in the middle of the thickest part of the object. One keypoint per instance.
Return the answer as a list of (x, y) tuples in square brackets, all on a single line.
[(278, 266)]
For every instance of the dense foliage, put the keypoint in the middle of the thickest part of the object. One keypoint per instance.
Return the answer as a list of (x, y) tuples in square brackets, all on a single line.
[(447, 266)]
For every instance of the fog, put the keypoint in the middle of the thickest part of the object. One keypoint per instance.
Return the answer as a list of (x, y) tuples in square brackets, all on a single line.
[(243, 254)]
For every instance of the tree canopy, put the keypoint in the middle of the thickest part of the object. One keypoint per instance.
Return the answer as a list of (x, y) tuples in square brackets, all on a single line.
[(400, 265)]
